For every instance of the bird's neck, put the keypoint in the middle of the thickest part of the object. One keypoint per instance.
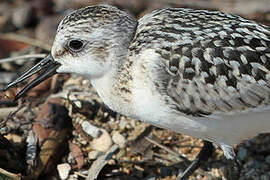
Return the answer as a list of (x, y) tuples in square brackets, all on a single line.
[(114, 88)]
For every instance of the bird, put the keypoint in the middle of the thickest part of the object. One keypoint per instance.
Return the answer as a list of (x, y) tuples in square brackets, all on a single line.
[(202, 73)]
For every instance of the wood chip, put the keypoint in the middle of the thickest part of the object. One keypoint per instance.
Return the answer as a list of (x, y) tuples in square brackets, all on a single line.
[(77, 154)]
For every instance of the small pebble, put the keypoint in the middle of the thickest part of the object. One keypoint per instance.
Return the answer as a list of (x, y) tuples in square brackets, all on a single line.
[(93, 155), (119, 139), (133, 123), (83, 142), (78, 104), (123, 124), (90, 129), (103, 142), (63, 170), (75, 100)]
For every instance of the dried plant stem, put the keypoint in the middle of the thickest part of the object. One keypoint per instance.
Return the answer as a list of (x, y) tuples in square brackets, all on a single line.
[(101, 161), (166, 149), (8, 175), (79, 174), (27, 40), (28, 56)]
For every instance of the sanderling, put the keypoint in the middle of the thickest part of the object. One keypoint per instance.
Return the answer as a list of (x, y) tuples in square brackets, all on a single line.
[(198, 72)]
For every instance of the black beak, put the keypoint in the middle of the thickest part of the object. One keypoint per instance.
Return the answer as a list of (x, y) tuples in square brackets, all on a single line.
[(48, 67)]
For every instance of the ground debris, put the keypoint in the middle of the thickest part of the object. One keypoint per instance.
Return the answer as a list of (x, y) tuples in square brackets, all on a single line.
[(63, 124), (100, 163)]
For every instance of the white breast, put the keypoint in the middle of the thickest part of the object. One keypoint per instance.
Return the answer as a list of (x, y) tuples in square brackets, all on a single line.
[(149, 105)]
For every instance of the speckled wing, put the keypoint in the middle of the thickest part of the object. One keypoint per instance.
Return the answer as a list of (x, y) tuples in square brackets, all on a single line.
[(214, 62)]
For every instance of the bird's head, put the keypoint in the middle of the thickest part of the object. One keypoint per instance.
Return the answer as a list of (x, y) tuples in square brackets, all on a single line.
[(87, 42)]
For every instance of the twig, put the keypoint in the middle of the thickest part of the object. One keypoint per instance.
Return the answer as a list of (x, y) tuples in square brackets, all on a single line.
[(7, 111), (166, 149), (27, 40), (8, 175), (79, 174), (97, 166), (28, 56), (161, 146), (9, 115)]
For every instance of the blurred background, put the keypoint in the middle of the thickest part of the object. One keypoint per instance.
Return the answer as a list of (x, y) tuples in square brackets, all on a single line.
[(38, 18), (66, 108)]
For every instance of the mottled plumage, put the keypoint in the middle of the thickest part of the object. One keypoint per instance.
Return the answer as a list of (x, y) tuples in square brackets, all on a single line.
[(215, 62)]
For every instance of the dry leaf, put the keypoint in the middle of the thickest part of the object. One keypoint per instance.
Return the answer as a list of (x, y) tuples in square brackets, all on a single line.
[(77, 154)]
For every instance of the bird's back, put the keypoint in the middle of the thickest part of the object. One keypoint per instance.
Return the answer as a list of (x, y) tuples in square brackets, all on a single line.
[(213, 62), (211, 68)]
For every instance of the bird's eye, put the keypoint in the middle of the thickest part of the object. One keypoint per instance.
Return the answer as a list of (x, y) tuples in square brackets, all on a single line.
[(75, 45)]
